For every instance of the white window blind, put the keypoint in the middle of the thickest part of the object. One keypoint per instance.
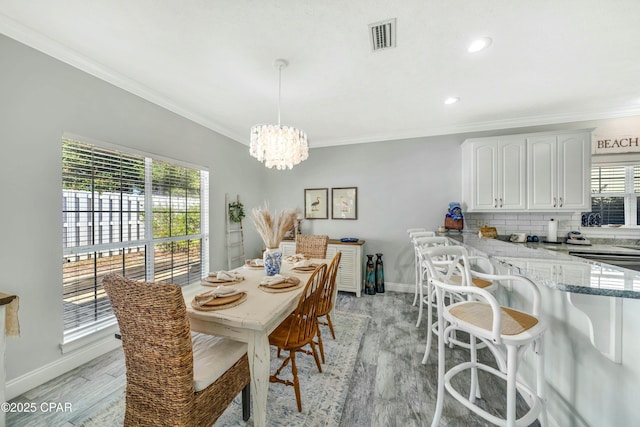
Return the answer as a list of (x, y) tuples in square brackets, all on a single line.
[(130, 214), (613, 195)]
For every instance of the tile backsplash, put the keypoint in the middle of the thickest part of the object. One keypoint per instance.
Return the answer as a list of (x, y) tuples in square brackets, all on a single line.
[(532, 223)]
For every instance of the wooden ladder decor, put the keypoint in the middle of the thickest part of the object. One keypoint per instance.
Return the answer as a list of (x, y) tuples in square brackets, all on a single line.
[(235, 237)]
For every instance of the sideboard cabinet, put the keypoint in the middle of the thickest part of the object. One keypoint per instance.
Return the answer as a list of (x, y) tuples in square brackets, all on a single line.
[(349, 277)]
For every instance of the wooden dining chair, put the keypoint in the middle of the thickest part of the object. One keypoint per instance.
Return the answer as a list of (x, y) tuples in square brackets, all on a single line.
[(312, 245), (327, 300), (174, 377), (298, 330)]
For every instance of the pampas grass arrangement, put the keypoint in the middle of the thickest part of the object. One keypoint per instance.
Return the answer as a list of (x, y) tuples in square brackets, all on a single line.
[(272, 231)]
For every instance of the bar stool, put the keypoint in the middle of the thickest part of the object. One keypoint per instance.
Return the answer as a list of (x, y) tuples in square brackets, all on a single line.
[(506, 332), (415, 235), (457, 279), (420, 244), (412, 230)]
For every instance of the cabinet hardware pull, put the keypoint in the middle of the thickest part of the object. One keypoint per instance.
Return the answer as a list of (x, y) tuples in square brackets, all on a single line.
[(561, 202), (495, 203), (500, 202), (554, 202)]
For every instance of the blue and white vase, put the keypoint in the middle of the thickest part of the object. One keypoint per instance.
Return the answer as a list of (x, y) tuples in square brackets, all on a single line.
[(272, 261)]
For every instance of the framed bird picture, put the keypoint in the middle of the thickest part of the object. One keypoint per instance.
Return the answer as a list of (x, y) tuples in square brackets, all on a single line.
[(345, 203), (315, 203)]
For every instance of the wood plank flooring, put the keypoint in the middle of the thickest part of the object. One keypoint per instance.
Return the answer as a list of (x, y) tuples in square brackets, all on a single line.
[(390, 387)]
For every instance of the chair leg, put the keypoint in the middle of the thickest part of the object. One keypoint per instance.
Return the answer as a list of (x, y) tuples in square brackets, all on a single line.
[(427, 349), (319, 335), (333, 334), (440, 397), (415, 294), (315, 355), (512, 369), (420, 293), (474, 389), (296, 382), (539, 352), (246, 402)]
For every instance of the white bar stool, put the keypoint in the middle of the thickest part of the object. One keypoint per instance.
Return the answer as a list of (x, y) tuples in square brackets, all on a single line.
[(508, 333), (414, 236)]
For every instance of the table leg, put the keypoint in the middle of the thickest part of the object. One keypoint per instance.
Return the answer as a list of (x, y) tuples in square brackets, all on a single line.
[(259, 365)]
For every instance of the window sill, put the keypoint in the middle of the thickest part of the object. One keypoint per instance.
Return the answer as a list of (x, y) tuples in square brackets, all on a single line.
[(622, 232), (88, 337)]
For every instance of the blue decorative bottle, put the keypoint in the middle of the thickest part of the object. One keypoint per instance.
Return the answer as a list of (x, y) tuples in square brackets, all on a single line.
[(370, 277), (379, 274)]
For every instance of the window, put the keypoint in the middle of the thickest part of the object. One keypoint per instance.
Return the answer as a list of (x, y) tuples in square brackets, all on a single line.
[(615, 191), (130, 214)]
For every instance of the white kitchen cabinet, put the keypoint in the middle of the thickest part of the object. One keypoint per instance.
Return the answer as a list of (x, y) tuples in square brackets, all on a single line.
[(494, 174), (558, 171), (349, 277)]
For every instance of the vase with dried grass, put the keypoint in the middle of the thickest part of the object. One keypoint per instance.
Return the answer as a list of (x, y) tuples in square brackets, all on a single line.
[(272, 232)]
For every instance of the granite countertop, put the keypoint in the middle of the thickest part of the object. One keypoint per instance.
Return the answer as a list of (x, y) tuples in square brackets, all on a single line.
[(552, 266)]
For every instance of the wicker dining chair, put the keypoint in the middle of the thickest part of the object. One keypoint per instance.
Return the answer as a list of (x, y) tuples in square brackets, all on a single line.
[(327, 300), (312, 246), (298, 330), (173, 377)]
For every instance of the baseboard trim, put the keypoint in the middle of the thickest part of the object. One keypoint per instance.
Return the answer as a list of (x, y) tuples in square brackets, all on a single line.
[(399, 287), (67, 362)]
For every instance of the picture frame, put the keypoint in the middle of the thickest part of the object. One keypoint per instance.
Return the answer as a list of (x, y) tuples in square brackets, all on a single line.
[(316, 203), (344, 202)]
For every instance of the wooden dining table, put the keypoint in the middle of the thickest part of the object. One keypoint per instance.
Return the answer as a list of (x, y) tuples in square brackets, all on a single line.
[(250, 322)]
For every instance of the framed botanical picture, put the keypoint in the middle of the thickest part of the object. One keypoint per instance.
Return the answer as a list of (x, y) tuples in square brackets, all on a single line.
[(344, 203), (315, 203)]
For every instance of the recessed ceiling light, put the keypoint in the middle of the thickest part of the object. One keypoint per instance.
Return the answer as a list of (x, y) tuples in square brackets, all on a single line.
[(479, 44), (451, 100)]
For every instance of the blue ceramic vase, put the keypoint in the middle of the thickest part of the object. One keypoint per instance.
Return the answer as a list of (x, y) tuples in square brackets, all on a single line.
[(272, 261)]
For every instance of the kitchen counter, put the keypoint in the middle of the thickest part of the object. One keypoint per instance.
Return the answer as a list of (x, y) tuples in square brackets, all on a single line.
[(552, 266)]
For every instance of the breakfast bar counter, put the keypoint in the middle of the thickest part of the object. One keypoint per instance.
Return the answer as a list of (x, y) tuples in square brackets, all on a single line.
[(551, 265)]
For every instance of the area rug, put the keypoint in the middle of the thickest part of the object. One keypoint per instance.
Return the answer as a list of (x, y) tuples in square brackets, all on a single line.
[(323, 394)]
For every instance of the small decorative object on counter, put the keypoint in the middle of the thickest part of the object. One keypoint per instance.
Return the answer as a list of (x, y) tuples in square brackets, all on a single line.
[(453, 220), (379, 274), (370, 277)]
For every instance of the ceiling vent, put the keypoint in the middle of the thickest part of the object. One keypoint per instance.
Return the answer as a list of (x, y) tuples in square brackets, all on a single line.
[(383, 34)]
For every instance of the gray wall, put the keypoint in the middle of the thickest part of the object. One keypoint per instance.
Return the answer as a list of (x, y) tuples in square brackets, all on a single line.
[(401, 184), (40, 99)]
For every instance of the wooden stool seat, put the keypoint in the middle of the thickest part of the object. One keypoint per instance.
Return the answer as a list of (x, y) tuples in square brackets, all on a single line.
[(477, 282), (514, 322)]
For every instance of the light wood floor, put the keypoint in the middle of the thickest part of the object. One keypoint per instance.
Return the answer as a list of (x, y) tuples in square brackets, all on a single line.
[(390, 387)]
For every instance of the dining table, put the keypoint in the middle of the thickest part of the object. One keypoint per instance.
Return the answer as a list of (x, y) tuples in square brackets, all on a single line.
[(250, 322)]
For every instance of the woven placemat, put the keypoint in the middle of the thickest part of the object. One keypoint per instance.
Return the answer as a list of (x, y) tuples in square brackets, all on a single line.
[(220, 303), (306, 269), (274, 289), (212, 281), (248, 264)]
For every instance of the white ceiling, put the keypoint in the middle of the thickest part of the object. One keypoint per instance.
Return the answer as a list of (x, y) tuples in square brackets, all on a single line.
[(551, 61)]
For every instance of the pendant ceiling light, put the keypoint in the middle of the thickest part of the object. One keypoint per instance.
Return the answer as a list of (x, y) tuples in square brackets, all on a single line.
[(278, 146)]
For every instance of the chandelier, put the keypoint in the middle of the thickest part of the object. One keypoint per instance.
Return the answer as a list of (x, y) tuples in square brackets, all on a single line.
[(278, 146)]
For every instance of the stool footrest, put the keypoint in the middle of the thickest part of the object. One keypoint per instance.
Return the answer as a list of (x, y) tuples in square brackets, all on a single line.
[(534, 402)]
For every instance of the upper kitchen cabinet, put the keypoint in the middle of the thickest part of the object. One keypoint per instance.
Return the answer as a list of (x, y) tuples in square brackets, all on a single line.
[(494, 174), (558, 171)]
